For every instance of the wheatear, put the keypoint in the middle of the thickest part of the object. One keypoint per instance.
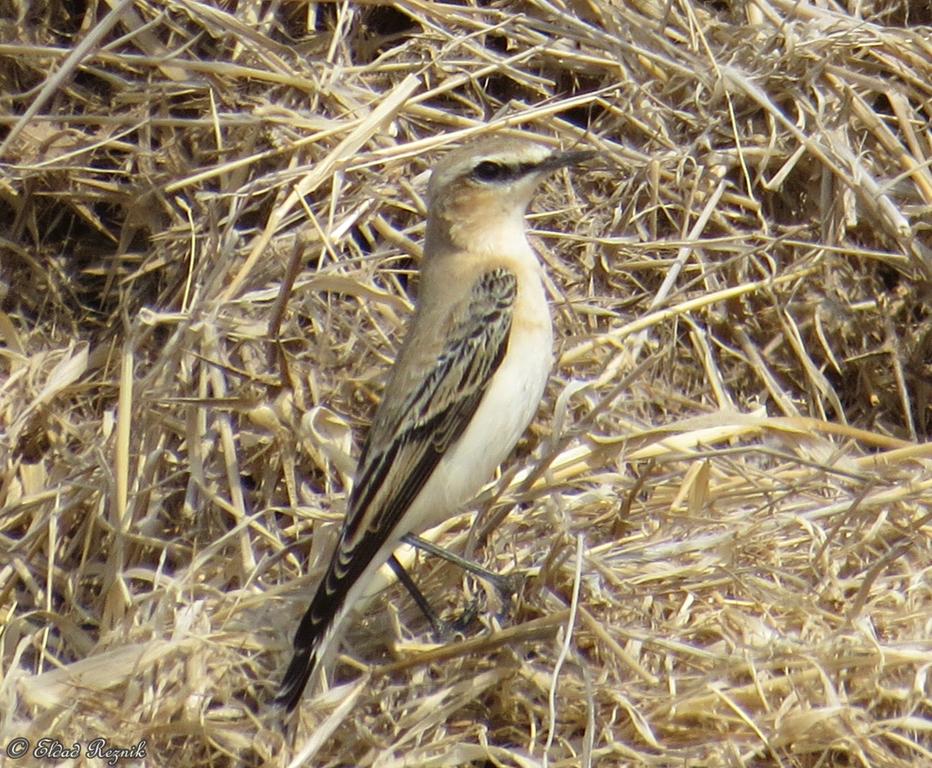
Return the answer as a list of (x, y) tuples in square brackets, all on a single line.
[(467, 381)]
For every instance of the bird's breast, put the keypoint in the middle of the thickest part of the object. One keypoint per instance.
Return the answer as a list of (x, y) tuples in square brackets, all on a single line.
[(507, 407)]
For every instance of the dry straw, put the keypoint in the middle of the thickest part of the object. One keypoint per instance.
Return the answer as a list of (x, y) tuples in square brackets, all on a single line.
[(212, 216)]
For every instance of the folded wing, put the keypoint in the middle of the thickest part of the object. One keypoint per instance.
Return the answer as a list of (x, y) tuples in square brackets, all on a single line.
[(403, 449)]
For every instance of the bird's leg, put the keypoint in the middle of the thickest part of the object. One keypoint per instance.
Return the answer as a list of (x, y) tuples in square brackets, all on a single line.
[(506, 585), (443, 629)]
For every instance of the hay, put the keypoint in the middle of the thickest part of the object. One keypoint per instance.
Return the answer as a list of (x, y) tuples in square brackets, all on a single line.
[(212, 219)]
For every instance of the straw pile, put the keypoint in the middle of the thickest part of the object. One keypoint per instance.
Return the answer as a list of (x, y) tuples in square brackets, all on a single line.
[(212, 224)]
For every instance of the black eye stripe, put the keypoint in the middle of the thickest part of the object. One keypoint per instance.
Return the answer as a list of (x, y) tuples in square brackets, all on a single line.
[(489, 170), (492, 171)]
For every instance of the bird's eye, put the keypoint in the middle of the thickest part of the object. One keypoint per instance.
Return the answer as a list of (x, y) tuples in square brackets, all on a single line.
[(488, 170)]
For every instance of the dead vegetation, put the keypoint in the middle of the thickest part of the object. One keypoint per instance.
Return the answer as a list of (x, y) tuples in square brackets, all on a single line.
[(212, 218)]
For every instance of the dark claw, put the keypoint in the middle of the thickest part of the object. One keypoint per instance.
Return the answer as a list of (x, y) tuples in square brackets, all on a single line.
[(445, 631)]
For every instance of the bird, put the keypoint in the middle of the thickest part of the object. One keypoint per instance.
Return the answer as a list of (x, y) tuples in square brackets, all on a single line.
[(466, 383)]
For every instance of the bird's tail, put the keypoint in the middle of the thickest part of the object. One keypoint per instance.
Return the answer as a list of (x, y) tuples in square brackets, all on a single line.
[(316, 633), (322, 625), (321, 628), (296, 677)]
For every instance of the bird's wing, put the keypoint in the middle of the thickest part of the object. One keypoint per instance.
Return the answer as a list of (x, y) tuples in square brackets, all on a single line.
[(404, 447), (440, 403)]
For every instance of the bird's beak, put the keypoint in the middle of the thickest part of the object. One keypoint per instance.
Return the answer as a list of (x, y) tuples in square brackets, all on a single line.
[(565, 160)]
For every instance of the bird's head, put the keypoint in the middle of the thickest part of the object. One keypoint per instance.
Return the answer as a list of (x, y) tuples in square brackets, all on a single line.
[(489, 184)]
